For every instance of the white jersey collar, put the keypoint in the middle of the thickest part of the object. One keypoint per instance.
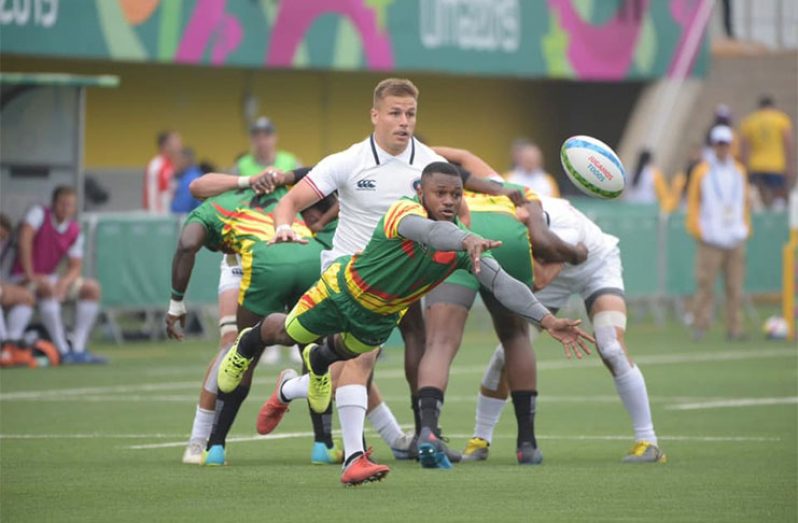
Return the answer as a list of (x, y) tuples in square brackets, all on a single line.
[(381, 155)]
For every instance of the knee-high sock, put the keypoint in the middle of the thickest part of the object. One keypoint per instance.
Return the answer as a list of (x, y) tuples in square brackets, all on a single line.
[(3, 329), (50, 310), (227, 405), (322, 426), (295, 388), (631, 387), (352, 402), (85, 315), (203, 424), (385, 423), (489, 410), (524, 402), (18, 319)]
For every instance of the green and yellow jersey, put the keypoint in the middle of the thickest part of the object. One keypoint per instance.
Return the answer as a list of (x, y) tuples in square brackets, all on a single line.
[(393, 272)]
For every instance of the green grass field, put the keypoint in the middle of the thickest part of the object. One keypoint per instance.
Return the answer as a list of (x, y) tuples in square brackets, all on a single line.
[(104, 444)]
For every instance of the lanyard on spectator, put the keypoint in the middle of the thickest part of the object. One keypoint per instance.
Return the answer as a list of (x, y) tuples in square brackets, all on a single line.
[(716, 185)]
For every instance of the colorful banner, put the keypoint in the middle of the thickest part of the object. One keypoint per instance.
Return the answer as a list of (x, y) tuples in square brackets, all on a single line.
[(573, 39)]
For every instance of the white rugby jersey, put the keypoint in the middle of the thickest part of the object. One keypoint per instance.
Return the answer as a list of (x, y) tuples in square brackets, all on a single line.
[(573, 227), (368, 181)]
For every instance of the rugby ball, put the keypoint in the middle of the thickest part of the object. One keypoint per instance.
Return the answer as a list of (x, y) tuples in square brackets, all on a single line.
[(593, 167)]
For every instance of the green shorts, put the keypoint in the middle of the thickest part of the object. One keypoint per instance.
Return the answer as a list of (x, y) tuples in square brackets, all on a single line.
[(276, 276), (326, 308), (515, 254)]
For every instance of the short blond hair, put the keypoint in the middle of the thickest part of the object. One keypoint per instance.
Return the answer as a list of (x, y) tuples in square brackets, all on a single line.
[(394, 87)]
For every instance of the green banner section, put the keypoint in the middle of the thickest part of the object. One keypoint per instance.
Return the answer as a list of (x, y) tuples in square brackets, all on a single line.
[(575, 39)]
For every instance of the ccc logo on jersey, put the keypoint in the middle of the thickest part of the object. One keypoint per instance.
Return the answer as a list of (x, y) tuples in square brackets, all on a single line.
[(366, 185)]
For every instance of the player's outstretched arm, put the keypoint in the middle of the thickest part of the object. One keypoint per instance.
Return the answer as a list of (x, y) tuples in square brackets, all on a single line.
[(191, 240), (300, 197), (517, 297), (548, 246), (445, 236), (482, 172)]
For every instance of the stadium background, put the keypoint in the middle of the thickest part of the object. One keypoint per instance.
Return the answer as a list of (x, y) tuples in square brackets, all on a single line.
[(545, 70)]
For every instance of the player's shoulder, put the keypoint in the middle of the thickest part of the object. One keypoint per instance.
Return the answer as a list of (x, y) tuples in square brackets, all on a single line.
[(344, 162), (425, 154)]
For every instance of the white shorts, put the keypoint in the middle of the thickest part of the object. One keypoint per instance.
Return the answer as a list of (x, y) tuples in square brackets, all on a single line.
[(592, 278), (230, 273), (72, 294)]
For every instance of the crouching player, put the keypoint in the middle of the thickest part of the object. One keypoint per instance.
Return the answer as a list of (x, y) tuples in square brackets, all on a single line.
[(599, 282), (358, 301)]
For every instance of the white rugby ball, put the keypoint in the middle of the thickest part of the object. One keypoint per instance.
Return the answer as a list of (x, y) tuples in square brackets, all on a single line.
[(593, 167)]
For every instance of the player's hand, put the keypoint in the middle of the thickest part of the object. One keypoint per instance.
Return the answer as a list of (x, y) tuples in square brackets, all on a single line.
[(581, 254), (263, 183), (285, 234), (568, 333), (475, 246), (174, 316), (60, 289), (515, 195)]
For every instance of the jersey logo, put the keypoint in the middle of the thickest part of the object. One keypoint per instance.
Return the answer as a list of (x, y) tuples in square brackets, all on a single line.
[(366, 185)]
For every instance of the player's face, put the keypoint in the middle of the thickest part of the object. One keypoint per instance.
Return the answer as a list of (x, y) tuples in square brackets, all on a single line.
[(530, 158), (441, 195), (264, 143), (394, 120), (65, 207), (722, 150), (174, 146)]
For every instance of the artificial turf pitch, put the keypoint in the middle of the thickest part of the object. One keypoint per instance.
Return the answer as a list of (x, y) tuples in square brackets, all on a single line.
[(104, 443)]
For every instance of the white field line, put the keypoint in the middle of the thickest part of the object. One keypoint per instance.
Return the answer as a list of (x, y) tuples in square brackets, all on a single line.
[(660, 359), (740, 402)]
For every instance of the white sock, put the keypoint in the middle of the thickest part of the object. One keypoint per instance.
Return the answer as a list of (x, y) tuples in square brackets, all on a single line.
[(385, 423), (489, 410), (85, 314), (3, 330), (295, 388), (631, 387), (493, 373), (203, 423), (351, 402), (50, 310), (18, 319)]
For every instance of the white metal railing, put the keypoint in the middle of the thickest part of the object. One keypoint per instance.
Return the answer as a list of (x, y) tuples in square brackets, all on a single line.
[(773, 23)]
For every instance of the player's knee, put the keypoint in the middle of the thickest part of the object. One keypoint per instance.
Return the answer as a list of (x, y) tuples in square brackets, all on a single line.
[(228, 329), (607, 325), (90, 290), (44, 290)]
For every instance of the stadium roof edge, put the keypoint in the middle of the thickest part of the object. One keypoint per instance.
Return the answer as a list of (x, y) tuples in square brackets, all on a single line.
[(59, 79)]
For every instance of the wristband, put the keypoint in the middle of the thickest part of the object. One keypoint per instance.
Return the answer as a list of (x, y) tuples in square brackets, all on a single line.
[(176, 308), (283, 228), (244, 182)]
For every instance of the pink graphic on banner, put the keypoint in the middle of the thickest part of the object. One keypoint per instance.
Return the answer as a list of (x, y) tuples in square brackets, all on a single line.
[(209, 25), (685, 13), (600, 52), (295, 18)]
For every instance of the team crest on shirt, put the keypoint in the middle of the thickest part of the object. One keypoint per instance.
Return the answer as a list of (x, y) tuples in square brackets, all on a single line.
[(366, 185)]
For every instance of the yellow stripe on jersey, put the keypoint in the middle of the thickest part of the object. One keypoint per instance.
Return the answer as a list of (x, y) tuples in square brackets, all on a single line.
[(379, 304), (396, 212)]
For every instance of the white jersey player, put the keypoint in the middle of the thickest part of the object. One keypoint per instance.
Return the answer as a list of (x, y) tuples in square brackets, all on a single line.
[(599, 282)]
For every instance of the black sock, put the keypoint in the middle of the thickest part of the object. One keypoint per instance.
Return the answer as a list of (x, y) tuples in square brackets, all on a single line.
[(430, 401), (524, 403), (227, 405), (322, 426), (323, 356), (416, 412), (352, 457), (251, 344)]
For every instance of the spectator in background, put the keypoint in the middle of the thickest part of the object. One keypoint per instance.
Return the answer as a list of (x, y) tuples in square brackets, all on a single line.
[(648, 185), (515, 154), (158, 181), (47, 236), (186, 171), (263, 151), (767, 152), (529, 172), (722, 116), (718, 217), (16, 305)]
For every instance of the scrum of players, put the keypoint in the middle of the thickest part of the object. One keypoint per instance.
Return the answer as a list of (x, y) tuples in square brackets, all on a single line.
[(346, 255)]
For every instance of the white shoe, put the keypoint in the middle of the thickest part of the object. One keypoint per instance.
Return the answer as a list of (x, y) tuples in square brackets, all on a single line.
[(271, 355), (193, 453)]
